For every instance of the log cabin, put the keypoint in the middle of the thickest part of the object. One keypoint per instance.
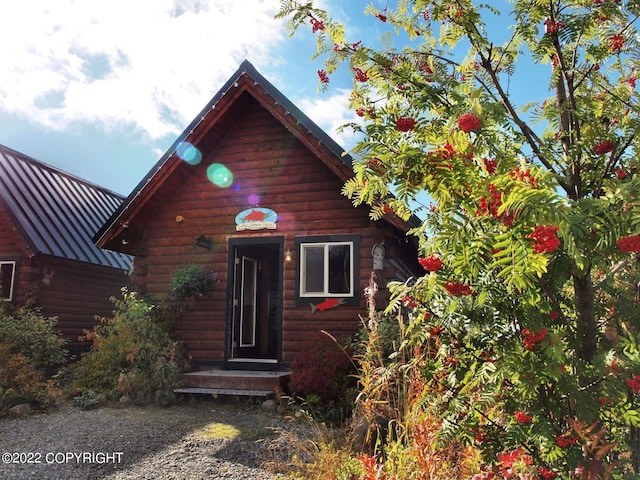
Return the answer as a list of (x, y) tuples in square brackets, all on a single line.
[(47, 255), (252, 190)]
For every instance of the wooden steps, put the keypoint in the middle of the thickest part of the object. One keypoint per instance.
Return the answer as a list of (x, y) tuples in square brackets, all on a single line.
[(234, 382)]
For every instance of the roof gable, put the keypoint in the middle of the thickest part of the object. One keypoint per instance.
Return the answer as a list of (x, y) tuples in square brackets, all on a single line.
[(56, 213), (245, 80)]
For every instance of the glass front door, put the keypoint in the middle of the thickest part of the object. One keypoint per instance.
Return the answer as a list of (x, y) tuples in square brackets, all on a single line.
[(256, 303)]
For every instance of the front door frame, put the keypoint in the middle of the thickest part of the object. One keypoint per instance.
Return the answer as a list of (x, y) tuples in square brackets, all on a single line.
[(253, 364)]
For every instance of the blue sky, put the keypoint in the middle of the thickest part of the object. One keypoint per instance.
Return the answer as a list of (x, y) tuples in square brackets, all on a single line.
[(102, 89)]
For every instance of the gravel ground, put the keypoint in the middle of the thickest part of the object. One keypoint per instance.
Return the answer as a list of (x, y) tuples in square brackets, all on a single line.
[(209, 439)]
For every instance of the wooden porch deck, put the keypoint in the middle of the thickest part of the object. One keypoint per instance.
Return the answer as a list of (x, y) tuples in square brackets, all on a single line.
[(234, 382)]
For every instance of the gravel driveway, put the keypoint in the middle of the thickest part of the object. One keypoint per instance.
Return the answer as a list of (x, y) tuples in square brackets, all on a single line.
[(205, 439)]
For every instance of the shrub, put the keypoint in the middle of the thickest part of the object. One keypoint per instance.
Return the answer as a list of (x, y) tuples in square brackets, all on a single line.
[(20, 382), (322, 374), (133, 354), (29, 333), (31, 351)]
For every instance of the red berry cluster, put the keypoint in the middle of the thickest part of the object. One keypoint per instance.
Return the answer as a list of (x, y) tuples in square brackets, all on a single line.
[(377, 166), (361, 112), (322, 75), (551, 26), (431, 263), (490, 165), (621, 173), (316, 24), (532, 339), (468, 123), (629, 244), (616, 43), (603, 147), (524, 175), (564, 441), (381, 17), (409, 301), (458, 289), (405, 124), (493, 205), (634, 383), (360, 75), (547, 474), (545, 239), (522, 417)]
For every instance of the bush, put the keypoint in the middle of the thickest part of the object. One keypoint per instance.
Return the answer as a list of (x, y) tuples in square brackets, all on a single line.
[(29, 333), (31, 351), (20, 382), (132, 354), (322, 374)]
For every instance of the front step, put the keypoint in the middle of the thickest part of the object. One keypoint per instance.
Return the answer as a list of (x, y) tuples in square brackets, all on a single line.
[(225, 391), (234, 382)]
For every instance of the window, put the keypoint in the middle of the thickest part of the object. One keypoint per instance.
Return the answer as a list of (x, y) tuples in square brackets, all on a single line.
[(7, 279), (327, 267)]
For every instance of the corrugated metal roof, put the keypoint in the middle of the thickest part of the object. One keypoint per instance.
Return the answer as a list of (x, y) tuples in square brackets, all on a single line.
[(55, 212)]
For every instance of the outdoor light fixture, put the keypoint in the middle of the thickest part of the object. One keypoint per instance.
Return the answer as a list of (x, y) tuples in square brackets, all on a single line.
[(204, 242), (288, 256)]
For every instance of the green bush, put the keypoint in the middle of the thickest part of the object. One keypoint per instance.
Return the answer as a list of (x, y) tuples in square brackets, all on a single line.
[(20, 382), (133, 354), (29, 333), (31, 352)]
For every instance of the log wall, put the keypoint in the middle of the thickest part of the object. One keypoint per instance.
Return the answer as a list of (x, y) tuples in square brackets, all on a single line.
[(269, 162)]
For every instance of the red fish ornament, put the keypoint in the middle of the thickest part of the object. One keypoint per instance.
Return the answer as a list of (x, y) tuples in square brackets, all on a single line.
[(255, 215), (327, 304)]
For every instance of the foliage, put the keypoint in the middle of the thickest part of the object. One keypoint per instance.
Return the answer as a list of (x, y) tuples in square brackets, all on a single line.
[(192, 281), (31, 334), (132, 354), (525, 331), (88, 400), (321, 375), (21, 382), (31, 352)]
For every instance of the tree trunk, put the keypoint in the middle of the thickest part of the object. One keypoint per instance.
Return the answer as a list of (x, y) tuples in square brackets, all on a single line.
[(586, 320)]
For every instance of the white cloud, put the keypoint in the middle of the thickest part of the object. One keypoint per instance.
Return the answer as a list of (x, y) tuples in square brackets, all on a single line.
[(145, 65), (331, 111)]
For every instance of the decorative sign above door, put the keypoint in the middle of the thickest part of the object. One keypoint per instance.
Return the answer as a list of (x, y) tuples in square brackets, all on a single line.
[(256, 219)]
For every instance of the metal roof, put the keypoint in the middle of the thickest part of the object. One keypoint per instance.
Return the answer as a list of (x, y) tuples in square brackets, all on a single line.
[(55, 212)]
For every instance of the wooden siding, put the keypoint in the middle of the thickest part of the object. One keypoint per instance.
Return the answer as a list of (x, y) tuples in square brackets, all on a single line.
[(268, 161), (77, 292), (71, 290), (11, 245)]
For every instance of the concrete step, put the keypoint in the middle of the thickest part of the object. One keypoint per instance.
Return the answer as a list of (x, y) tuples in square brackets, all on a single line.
[(225, 391), (236, 380)]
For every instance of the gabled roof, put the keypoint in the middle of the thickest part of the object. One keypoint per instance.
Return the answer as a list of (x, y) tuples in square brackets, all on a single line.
[(54, 212), (245, 79)]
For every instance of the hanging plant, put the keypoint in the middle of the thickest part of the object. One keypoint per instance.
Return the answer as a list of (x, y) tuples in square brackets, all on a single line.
[(193, 281)]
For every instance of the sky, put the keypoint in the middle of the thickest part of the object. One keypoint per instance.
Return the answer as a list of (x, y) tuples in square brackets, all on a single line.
[(101, 89)]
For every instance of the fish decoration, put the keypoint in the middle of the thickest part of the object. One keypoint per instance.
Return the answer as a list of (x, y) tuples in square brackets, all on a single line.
[(327, 304), (255, 216)]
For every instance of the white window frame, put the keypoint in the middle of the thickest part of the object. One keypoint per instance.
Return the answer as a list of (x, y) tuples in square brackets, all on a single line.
[(13, 263), (325, 292)]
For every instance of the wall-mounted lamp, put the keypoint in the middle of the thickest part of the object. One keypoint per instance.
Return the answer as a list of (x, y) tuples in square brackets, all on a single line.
[(288, 256), (204, 242)]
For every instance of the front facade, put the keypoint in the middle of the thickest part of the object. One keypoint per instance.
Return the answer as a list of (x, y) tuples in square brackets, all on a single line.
[(252, 191), (47, 256)]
